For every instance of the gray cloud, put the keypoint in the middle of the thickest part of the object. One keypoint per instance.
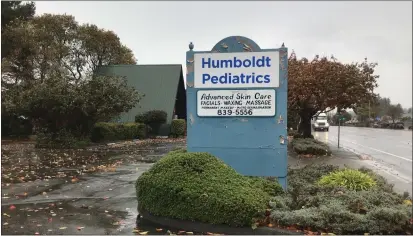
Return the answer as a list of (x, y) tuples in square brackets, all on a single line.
[(159, 32)]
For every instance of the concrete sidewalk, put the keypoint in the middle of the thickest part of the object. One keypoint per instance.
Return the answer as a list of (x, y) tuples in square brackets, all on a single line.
[(345, 158)]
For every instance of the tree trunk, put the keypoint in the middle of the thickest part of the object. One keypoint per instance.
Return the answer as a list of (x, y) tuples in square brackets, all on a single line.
[(305, 126)]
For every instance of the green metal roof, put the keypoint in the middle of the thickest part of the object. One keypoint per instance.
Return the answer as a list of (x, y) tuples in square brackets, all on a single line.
[(159, 83)]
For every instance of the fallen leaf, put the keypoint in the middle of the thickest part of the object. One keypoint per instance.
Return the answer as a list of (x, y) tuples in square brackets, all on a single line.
[(5, 223), (37, 233), (135, 231), (270, 225), (181, 231), (12, 207), (63, 227), (80, 228), (158, 230), (144, 233), (189, 233)]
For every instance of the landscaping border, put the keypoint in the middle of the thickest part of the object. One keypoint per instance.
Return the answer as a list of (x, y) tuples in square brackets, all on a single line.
[(205, 227)]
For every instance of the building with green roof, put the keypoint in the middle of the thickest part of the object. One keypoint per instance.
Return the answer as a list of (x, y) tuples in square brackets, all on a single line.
[(162, 85)]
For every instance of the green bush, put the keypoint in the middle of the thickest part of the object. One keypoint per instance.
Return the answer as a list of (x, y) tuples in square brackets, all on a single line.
[(348, 178), (310, 146), (200, 187), (154, 119), (178, 128), (339, 210), (299, 136), (60, 139), (179, 150), (272, 187), (140, 118), (381, 182), (117, 131)]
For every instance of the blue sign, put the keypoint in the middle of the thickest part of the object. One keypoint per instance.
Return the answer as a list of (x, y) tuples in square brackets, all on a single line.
[(237, 106)]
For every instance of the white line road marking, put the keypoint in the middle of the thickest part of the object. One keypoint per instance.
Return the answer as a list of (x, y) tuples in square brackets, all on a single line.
[(376, 164), (377, 150)]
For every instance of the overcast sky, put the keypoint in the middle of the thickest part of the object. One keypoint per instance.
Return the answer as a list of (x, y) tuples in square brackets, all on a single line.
[(159, 32)]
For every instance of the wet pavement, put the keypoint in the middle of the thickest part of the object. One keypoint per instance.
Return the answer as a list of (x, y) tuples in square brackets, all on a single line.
[(61, 192), (75, 191), (387, 151)]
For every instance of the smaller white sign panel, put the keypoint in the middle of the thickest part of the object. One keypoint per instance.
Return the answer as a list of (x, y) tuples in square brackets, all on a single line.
[(222, 103)]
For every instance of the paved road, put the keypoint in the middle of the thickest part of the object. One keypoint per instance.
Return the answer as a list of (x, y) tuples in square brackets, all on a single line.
[(389, 149)]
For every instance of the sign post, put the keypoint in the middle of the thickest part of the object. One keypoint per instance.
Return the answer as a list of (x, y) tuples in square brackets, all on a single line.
[(237, 106)]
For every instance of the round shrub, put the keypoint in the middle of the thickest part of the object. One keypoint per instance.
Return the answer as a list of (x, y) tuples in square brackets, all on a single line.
[(178, 128), (155, 117), (179, 150), (200, 187), (348, 178), (140, 118)]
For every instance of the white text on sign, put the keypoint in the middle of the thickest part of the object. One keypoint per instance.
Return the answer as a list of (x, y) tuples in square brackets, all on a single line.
[(214, 103), (236, 70)]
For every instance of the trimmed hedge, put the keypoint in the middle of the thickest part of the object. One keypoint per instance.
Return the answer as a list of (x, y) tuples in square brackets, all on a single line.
[(62, 139), (310, 146), (335, 209), (117, 131), (200, 187), (178, 128)]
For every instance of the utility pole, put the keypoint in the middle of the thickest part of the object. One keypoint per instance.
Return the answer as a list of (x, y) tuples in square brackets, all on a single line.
[(339, 125), (369, 111), (338, 138)]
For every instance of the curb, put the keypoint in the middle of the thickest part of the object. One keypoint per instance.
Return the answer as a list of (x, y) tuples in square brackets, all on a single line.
[(204, 227)]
